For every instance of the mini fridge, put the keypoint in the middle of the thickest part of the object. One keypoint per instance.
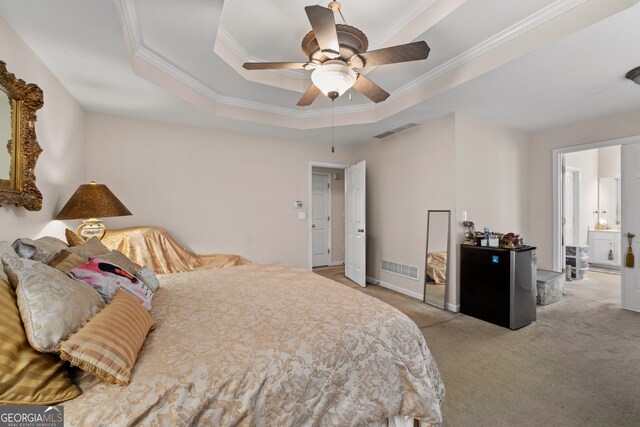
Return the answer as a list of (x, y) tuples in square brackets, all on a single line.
[(499, 285)]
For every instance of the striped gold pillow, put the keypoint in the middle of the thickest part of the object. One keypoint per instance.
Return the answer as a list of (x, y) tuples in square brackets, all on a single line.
[(27, 377), (108, 345)]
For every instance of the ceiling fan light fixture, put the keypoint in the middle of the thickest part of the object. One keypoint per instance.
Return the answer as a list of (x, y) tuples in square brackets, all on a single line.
[(634, 75), (334, 76)]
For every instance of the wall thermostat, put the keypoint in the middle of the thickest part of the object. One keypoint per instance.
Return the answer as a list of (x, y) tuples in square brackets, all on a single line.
[(297, 204)]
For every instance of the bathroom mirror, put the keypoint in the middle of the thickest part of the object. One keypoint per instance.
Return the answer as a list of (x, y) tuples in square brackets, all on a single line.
[(609, 206), (436, 268), (19, 149)]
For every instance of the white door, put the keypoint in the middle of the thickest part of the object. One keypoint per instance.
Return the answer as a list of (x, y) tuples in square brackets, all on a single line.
[(321, 219), (631, 224), (355, 227)]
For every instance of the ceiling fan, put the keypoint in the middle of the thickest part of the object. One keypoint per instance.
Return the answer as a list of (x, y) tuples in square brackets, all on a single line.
[(334, 50)]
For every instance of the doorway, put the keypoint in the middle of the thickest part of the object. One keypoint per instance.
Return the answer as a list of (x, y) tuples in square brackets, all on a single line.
[(347, 220), (587, 219), (335, 212), (327, 206)]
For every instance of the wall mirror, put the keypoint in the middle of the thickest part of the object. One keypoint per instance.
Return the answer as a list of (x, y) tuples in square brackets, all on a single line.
[(609, 206), (19, 149), (436, 268)]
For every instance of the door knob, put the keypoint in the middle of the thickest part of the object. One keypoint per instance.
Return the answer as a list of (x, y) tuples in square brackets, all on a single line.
[(360, 230), (313, 226)]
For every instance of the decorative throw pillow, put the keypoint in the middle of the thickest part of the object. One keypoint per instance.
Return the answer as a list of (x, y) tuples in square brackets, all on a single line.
[(118, 258), (52, 305), (107, 278), (67, 261), (143, 273), (5, 248), (43, 249), (72, 238), (89, 249), (26, 376), (108, 345), (149, 278)]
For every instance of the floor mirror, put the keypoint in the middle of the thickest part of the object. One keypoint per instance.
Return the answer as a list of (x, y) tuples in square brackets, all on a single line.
[(436, 271)]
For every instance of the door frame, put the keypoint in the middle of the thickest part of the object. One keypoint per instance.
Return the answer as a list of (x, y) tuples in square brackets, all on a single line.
[(556, 170), (328, 175), (313, 164)]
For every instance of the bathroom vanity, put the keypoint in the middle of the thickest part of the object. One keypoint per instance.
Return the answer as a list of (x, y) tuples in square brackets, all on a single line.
[(605, 248)]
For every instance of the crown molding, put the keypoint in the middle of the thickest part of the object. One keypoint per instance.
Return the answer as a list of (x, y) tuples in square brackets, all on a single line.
[(131, 23), (533, 21), (236, 48), (147, 54), (299, 114), (417, 9)]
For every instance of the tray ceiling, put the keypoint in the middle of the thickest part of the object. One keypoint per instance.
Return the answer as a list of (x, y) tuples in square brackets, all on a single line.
[(530, 64)]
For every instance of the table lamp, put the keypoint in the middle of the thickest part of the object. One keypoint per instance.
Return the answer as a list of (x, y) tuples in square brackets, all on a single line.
[(89, 202)]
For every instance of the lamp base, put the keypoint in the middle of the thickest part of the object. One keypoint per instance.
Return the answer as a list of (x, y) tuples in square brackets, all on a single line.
[(91, 228)]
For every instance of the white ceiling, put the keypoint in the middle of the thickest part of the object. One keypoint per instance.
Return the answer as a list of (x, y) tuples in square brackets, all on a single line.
[(529, 64)]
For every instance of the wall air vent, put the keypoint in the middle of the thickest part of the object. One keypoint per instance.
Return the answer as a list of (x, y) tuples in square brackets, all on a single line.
[(396, 130), (403, 270)]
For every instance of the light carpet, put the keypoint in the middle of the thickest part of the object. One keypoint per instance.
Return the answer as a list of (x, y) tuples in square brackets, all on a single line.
[(577, 365)]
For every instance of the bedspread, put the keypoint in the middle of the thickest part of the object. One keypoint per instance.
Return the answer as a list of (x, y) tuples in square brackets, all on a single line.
[(267, 344)]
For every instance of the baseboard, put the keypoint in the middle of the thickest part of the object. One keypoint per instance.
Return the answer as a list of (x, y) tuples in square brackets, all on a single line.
[(453, 308), (396, 288), (336, 263), (450, 307)]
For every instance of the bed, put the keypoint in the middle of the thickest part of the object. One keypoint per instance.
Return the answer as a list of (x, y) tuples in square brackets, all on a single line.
[(247, 344), (268, 345)]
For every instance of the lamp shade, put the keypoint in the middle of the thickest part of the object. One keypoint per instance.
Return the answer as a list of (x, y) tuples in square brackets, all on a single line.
[(92, 201), (333, 76)]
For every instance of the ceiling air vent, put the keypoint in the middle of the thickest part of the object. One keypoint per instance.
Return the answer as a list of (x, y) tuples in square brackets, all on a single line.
[(396, 130), (400, 269)]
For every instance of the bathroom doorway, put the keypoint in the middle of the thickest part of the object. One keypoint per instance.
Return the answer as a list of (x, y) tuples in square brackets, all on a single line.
[(590, 244)]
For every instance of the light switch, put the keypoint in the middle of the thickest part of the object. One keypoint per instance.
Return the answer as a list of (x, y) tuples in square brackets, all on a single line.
[(302, 215)]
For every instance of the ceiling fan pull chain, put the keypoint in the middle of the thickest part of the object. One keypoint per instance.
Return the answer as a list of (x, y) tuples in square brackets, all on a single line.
[(333, 126)]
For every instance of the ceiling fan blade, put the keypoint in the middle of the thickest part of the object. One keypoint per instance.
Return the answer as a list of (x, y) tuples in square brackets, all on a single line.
[(324, 27), (370, 89), (403, 53), (309, 96), (273, 65)]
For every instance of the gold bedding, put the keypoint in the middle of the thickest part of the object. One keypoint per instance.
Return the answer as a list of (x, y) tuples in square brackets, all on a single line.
[(267, 344), (155, 248), (437, 267)]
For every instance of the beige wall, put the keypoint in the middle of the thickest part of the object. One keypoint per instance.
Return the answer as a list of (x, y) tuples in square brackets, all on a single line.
[(61, 133), (337, 212), (541, 190), (455, 162), (492, 179), (215, 191), (587, 163), (609, 163), (407, 174)]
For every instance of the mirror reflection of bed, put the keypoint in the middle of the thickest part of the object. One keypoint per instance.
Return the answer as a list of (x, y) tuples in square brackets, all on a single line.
[(437, 256)]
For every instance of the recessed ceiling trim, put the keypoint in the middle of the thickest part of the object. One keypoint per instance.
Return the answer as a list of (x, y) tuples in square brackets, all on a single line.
[(544, 15), (152, 57), (400, 23), (402, 98), (230, 43), (131, 23)]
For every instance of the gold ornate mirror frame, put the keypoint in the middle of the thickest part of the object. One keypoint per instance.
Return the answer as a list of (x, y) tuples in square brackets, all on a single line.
[(25, 99)]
